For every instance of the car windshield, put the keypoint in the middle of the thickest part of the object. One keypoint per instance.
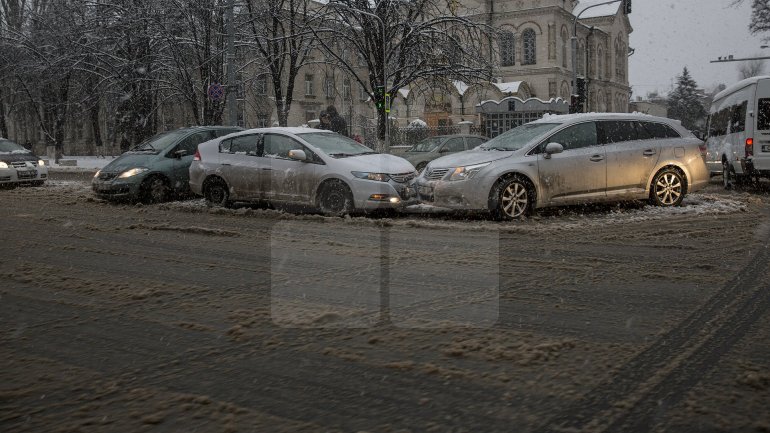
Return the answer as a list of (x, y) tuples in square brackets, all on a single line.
[(159, 142), (518, 137), (426, 145), (335, 145), (8, 146)]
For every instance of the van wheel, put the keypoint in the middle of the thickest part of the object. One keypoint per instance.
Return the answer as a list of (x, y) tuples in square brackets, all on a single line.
[(217, 194), (335, 199), (728, 175), (154, 190), (514, 197), (668, 188)]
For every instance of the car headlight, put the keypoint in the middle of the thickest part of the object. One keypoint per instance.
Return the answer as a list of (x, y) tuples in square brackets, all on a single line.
[(132, 172), (97, 173), (40, 163), (3, 165), (380, 177), (465, 173)]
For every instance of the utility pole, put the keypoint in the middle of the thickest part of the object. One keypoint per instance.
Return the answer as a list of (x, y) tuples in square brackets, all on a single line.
[(232, 86)]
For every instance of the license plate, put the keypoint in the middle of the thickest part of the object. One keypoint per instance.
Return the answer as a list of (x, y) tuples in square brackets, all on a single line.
[(766, 148), (26, 174)]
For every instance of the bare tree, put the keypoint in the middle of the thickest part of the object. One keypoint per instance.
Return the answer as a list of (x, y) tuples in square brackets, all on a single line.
[(751, 68), (279, 34), (399, 43)]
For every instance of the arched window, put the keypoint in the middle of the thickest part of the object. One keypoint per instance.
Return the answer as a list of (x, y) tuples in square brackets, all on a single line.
[(564, 50), (530, 49), (565, 91), (600, 59), (507, 49)]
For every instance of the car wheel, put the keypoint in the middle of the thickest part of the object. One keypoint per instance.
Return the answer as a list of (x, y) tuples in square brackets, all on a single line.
[(668, 188), (514, 198), (335, 199), (728, 175), (217, 193), (421, 166), (154, 190)]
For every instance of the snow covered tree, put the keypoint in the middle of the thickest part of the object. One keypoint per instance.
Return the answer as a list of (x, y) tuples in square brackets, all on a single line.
[(684, 102), (751, 68), (406, 41)]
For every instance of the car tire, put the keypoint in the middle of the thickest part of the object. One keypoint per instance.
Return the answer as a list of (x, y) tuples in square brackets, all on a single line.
[(513, 199), (728, 175), (668, 188), (154, 189), (335, 199), (217, 193)]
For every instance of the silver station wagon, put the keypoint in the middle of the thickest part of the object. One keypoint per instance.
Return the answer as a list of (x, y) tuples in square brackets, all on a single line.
[(570, 159), (305, 166)]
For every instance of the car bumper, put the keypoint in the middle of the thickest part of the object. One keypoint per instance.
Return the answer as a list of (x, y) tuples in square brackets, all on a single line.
[(12, 175), (115, 189), (371, 195), (464, 195)]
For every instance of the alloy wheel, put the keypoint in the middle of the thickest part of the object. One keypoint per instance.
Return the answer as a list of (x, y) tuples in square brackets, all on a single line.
[(514, 200)]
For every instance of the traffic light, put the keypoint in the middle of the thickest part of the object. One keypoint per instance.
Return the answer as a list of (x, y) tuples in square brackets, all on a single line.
[(379, 97), (626, 7)]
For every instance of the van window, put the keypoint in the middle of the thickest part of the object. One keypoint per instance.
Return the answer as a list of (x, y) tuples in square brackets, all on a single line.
[(738, 117), (719, 122), (763, 114)]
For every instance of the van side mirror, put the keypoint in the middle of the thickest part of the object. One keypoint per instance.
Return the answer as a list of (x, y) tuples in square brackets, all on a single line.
[(297, 155), (552, 148)]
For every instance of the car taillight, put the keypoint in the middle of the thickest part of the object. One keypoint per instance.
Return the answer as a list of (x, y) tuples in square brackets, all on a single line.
[(197, 156), (749, 147), (703, 150)]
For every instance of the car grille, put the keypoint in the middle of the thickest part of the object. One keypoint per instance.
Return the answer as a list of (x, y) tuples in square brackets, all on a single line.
[(19, 164), (107, 176), (402, 177), (436, 173)]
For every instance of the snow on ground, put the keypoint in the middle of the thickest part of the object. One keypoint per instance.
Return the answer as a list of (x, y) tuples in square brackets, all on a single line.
[(83, 163)]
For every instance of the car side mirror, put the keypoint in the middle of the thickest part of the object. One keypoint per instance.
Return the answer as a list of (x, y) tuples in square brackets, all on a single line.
[(298, 155), (180, 153), (552, 148)]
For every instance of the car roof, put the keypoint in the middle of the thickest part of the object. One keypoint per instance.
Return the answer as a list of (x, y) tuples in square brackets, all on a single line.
[(284, 129), (577, 117)]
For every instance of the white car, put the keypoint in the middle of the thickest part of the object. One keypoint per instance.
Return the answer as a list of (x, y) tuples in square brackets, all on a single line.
[(306, 166), (19, 166)]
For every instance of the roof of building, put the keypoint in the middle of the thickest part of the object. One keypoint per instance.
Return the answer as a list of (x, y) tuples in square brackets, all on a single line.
[(511, 87), (596, 12)]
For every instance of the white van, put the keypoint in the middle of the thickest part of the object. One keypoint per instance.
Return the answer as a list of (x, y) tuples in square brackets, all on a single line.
[(738, 143)]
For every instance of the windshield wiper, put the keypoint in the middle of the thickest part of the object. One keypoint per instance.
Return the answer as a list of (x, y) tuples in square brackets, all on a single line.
[(340, 155), (501, 149)]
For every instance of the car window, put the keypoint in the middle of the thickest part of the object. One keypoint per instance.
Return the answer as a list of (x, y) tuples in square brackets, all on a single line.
[(242, 145), (616, 131), (474, 141), (660, 130), (575, 137), (454, 145), (641, 131), (222, 132), (190, 144), (278, 146)]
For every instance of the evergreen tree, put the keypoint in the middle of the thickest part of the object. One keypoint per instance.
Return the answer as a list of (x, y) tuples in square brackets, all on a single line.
[(685, 104)]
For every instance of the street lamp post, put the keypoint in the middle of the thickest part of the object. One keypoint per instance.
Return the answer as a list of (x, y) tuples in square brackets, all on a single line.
[(386, 148), (574, 41)]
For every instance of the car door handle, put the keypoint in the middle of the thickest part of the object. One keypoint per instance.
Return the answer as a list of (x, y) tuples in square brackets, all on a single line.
[(649, 152), (597, 158), (267, 169), (226, 165)]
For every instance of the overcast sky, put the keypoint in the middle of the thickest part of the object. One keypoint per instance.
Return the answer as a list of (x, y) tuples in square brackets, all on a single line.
[(671, 34)]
